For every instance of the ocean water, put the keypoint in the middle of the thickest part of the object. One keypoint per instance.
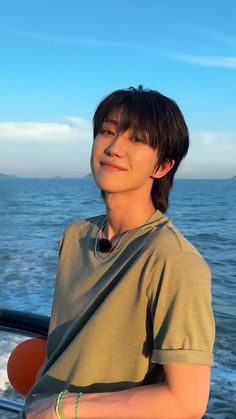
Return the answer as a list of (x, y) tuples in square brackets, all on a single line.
[(33, 215)]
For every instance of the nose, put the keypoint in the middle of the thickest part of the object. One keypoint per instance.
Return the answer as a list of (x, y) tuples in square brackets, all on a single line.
[(116, 146)]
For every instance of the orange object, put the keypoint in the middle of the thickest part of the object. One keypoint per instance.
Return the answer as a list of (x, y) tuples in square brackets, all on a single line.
[(25, 362)]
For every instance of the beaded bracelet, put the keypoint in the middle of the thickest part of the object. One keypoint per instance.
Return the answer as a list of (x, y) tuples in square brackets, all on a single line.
[(60, 397), (77, 404)]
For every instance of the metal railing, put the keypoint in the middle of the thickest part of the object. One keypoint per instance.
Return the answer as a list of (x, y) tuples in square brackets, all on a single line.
[(23, 323), (11, 406)]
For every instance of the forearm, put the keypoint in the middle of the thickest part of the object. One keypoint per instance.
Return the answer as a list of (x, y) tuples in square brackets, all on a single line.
[(146, 402)]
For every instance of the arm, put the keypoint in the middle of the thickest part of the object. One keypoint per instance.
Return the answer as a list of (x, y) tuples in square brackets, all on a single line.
[(183, 395)]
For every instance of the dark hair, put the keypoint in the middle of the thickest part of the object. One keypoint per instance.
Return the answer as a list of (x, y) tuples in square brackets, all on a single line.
[(160, 118)]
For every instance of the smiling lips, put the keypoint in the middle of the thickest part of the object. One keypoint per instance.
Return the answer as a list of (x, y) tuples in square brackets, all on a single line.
[(111, 166)]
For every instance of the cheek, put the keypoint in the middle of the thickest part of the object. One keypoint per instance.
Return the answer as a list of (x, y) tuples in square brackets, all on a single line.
[(146, 163), (97, 147), (96, 152), (92, 156), (153, 161)]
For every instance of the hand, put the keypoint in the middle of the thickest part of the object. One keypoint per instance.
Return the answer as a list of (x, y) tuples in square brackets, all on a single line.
[(43, 408)]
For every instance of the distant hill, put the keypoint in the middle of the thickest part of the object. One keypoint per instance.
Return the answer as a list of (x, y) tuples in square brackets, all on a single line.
[(3, 175)]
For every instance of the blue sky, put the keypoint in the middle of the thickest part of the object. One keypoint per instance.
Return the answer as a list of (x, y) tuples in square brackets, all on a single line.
[(60, 57)]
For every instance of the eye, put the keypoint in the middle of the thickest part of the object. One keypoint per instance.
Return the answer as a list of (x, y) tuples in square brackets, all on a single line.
[(138, 140), (106, 132)]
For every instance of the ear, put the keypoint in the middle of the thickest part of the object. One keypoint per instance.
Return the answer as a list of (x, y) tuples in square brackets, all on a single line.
[(163, 169)]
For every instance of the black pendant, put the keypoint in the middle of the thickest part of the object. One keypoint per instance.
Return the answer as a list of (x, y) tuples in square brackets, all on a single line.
[(104, 245)]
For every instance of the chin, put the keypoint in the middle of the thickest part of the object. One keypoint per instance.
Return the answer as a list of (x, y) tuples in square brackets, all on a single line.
[(106, 185), (109, 188)]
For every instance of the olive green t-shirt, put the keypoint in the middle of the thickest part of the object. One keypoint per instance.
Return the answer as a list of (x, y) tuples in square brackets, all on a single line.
[(115, 323)]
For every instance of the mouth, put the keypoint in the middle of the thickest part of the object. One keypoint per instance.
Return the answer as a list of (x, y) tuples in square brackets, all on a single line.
[(111, 167)]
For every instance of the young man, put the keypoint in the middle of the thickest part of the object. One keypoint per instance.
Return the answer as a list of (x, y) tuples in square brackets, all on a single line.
[(132, 325)]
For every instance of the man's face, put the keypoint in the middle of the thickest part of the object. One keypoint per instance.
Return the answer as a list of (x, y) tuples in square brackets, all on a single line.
[(122, 161)]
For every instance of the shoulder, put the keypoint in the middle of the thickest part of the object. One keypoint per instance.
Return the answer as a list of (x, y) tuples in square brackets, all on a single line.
[(169, 244), (176, 261), (83, 226), (170, 241)]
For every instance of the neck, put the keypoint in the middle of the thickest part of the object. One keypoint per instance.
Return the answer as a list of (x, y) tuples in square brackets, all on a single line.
[(125, 214)]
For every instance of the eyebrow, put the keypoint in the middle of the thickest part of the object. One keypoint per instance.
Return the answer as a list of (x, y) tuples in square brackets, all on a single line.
[(116, 123), (111, 121)]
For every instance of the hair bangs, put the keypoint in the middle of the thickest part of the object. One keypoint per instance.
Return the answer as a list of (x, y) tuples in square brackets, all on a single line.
[(130, 112)]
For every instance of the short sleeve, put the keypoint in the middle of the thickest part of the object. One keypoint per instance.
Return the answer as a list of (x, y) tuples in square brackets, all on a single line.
[(181, 311)]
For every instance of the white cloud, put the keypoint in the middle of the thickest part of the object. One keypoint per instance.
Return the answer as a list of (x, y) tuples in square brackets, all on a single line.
[(211, 155), (81, 123), (218, 61), (69, 40), (216, 35), (207, 61), (76, 129), (223, 140), (199, 60)]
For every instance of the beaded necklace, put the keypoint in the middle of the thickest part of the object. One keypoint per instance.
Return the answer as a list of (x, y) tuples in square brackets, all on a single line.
[(120, 238)]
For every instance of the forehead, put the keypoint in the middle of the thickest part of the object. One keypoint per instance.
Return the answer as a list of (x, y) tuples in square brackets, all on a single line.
[(124, 120)]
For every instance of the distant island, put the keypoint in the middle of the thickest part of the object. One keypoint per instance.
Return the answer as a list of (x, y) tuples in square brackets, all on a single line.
[(3, 175)]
